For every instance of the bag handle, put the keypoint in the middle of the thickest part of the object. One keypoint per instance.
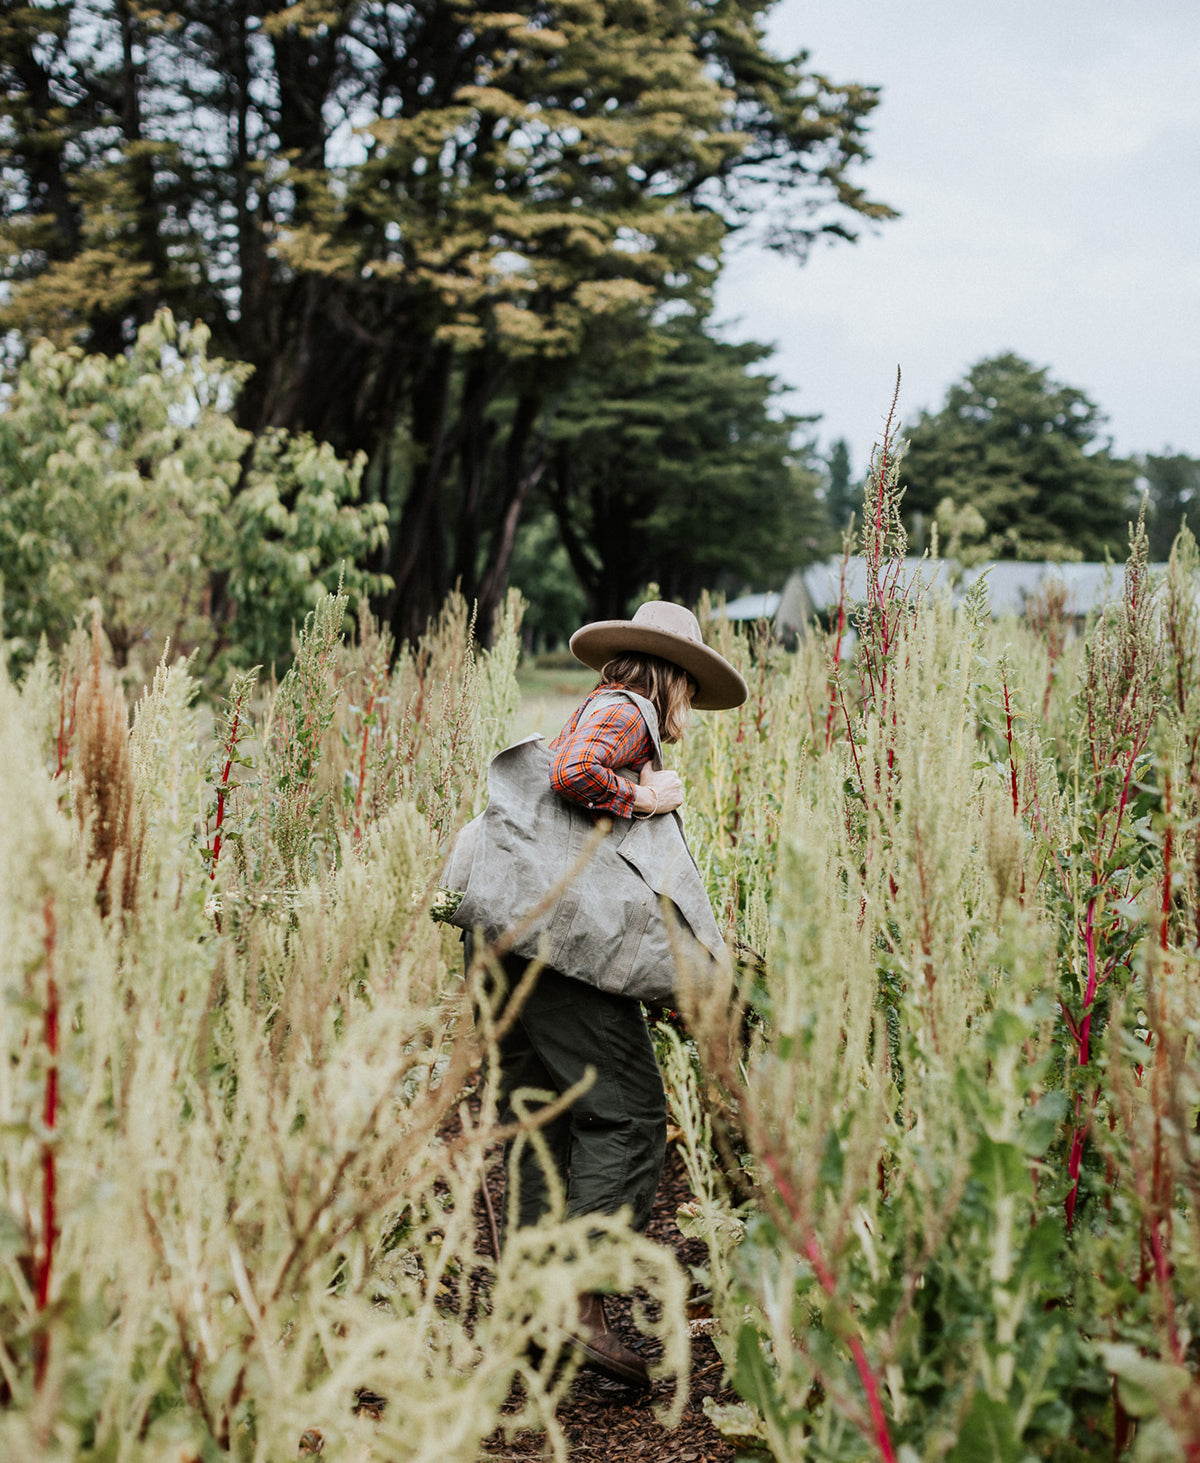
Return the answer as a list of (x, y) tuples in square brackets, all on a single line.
[(648, 714)]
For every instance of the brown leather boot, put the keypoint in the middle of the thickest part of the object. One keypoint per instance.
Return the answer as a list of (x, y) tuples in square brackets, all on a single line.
[(603, 1348)]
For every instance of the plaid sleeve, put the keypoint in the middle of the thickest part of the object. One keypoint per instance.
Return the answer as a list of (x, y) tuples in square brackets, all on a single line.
[(585, 754)]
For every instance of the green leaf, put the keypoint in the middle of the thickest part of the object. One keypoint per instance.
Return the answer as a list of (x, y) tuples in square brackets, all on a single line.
[(988, 1433), (755, 1379), (1146, 1386), (1002, 1168), (1040, 1123), (833, 1161)]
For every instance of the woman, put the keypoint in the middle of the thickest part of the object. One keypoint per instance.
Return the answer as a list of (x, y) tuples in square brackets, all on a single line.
[(608, 1147)]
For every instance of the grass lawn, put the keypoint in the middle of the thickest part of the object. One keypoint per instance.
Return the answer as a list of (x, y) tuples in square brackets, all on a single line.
[(550, 690)]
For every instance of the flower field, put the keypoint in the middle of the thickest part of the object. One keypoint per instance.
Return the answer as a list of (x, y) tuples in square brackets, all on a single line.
[(941, 1130)]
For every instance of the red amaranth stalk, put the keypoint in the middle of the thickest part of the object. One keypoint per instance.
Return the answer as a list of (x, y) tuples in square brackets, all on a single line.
[(44, 1262), (735, 822), (850, 739), (1134, 754), (876, 558), (1051, 623), (880, 1434), (1162, 1274), (876, 546), (1094, 979), (1051, 853), (1012, 761), (222, 791), (1161, 1217), (1164, 922), (66, 719), (62, 719), (837, 648), (1168, 850)]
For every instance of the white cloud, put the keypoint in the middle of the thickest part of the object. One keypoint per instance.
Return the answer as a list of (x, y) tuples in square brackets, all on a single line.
[(1045, 159)]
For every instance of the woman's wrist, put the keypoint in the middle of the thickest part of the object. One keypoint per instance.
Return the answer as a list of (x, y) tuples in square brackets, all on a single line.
[(643, 811)]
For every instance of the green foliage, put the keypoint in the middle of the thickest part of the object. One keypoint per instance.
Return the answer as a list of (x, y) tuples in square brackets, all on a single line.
[(941, 1138), (408, 219), (669, 461), (127, 480), (842, 497), (542, 572), (968, 1101), (302, 712), (1025, 454), (1172, 482)]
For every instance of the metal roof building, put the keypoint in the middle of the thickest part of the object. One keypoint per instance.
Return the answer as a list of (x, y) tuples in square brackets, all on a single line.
[(1011, 584)]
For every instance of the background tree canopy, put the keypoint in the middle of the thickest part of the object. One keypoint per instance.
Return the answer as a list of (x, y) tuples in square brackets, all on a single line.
[(1026, 454), (666, 462), (1172, 485), (416, 222)]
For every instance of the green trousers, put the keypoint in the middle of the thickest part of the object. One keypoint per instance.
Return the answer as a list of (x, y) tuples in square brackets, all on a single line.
[(608, 1146)]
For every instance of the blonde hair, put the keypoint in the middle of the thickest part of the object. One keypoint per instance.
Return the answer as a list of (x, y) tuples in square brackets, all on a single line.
[(664, 684)]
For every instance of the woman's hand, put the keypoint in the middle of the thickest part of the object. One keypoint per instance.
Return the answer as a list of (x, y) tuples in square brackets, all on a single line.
[(666, 785)]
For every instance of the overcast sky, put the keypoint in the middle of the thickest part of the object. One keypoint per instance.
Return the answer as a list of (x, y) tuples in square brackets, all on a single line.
[(1045, 155)]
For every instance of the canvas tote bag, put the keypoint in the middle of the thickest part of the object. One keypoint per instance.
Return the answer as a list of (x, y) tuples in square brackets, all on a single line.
[(632, 915)]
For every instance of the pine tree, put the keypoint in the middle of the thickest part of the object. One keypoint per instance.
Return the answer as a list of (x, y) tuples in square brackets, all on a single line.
[(670, 463), (842, 497), (1026, 452), (1172, 481)]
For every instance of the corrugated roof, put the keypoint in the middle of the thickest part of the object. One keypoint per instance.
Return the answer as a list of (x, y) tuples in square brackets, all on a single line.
[(753, 606), (823, 581), (1010, 583), (1087, 586)]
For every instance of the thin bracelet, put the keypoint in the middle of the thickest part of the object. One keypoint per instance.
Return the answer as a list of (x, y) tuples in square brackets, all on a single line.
[(654, 793)]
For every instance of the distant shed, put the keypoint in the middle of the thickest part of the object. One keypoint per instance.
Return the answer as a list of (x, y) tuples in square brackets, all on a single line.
[(1088, 587), (753, 606), (1012, 584), (824, 581)]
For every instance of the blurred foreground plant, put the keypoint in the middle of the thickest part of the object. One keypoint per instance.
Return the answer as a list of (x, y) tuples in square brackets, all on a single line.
[(243, 1113), (968, 1106)]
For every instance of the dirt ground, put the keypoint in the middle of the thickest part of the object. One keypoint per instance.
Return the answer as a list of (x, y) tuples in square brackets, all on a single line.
[(607, 1422)]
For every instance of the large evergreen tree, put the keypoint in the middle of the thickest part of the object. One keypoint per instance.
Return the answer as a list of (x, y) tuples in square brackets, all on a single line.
[(403, 215), (1172, 483), (1027, 454), (669, 462), (843, 497)]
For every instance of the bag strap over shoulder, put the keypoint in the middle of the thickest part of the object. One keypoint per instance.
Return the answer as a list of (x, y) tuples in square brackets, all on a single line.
[(649, 716)]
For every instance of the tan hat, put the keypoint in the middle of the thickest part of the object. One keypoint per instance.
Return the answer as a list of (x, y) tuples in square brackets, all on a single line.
[(671, 632)]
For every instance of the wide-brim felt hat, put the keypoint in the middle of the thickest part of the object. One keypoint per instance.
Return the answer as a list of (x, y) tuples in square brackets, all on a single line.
[(671, 632)]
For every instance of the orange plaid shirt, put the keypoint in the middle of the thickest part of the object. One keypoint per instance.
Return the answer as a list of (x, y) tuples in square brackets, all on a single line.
[(591, 745)]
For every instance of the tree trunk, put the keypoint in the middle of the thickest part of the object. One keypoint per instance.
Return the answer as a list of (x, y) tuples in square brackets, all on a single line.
[(522, 469), (258, 324), (418, 549), (474, 435), (582, 560), (43, 148), (141, 165)]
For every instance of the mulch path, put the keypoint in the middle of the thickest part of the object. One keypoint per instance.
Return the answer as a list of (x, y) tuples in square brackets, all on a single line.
[(604, 1420)]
